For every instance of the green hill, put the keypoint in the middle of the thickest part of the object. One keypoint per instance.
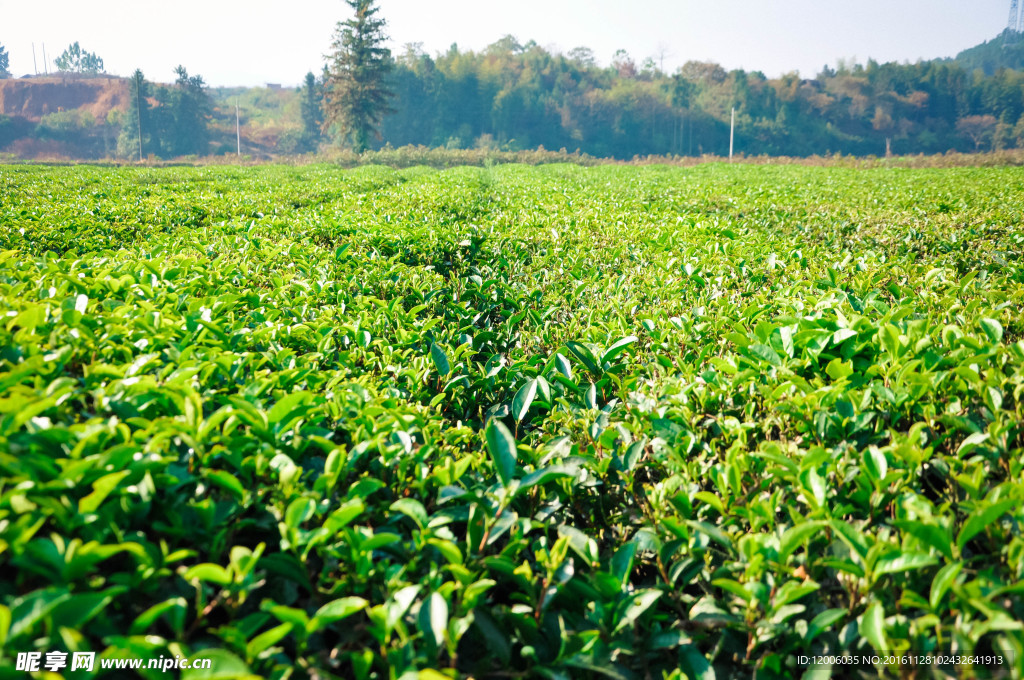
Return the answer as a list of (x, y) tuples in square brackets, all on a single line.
[(1004, 51)]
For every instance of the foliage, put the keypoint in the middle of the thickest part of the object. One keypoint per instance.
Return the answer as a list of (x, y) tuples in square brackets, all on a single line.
[(979, 129), (312, 111), (512, 422), (513, 97), (62, 125), (525, 96), (176, 126), (76, 60), (262, 106), (186, 108), (129, 143), (5, 63), (1002, 52), (357, 93)]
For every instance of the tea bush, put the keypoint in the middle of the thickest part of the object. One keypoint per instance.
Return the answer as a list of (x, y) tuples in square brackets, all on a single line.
[(553, 422)]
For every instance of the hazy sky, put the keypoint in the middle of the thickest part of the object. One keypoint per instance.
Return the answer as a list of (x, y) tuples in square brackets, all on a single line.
[(251, 42)]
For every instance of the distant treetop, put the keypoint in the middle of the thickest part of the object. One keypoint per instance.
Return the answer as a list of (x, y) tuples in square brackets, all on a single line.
[(76, 60), (992, 55)]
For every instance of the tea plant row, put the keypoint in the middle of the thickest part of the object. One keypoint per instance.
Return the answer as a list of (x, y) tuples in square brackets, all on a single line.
[(546, 422)]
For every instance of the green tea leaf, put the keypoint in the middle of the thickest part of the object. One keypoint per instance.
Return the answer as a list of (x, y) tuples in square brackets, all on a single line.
[(585, 356), (441, 362), (617, 348), (413, 509), (336, 611), (907, 561), (223, 666), (299, 511), (872, 627), (764, 353), (101, 488), (211, 573), (823, 622), (930, 535), (524, 397), (942, 583), (634, 606), (502, 447), (981, 518), (265, 640), (433, 619), (993, 329)]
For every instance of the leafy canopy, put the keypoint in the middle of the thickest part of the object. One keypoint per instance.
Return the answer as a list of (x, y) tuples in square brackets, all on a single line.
[(178, 125), (76, 60)]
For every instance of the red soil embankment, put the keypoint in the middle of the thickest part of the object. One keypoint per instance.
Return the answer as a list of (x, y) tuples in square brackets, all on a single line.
[(32, 98)]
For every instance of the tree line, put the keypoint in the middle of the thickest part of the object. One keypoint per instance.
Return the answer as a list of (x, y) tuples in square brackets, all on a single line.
[(518, 96), (514, 96)]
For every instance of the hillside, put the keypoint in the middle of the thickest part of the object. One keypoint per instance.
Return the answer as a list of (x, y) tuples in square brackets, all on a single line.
[(65, 118), (1003, 51), (33, 98), (516, 97)]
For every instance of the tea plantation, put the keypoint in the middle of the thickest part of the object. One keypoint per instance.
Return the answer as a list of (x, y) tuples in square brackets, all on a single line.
[(514, 422)]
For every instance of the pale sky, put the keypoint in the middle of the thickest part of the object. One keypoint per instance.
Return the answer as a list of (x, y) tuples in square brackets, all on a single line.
[(252, 42)]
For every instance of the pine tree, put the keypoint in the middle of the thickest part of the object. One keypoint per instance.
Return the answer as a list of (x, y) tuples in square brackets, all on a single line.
[(357, 92), (128, 143), (189, 106), (4, 63), (311, 108)]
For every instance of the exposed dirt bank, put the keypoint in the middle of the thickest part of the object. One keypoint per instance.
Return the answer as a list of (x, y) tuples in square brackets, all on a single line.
[(32, 98)]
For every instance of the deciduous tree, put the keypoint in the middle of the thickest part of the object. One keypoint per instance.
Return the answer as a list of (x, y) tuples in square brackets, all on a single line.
[(978, 129)]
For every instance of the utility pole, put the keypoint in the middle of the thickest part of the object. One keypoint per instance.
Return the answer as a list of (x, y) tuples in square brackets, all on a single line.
[(732, 130), (238, 130), (138, 112), (35, 66), (46, 67)]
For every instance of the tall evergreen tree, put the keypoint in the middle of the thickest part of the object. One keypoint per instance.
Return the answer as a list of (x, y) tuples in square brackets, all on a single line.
[(5, 64), (357, 93), (188, 105), (311, 110), (129, 142)]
